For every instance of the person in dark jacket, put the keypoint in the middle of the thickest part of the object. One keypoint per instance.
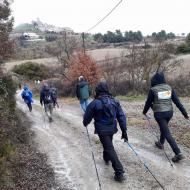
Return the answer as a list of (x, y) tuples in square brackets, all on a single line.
[(54, 93), (106, 111), (83, 92), (27, 97), (46, 99), (160, 99)]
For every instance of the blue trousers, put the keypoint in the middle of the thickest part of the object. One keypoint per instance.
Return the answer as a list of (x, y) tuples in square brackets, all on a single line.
[(84, 104)]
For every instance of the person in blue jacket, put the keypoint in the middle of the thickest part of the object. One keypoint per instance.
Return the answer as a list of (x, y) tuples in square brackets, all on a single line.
[(106, 111), (160, 98), (27, 97)]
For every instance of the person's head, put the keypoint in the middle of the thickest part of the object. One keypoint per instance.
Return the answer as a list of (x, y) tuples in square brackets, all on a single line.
[(81, 78), (158, 78), (25, 87), (102, 89), (45, 86)]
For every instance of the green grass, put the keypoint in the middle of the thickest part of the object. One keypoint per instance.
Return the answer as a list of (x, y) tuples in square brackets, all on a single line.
[(131, 98), (37, 97)]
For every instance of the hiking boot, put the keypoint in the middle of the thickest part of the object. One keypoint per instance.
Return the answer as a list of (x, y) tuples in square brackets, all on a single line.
[(178, 157), (107, 162), (50, 120), (159, 145), (119, 177)]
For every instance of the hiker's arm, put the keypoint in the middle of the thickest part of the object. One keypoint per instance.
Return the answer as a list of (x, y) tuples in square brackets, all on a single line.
[(89, 114), (149, 101), (177, 102), (121, 118), (31, 95), (89, 90), (77, 92), (41, 97), (22, 95)]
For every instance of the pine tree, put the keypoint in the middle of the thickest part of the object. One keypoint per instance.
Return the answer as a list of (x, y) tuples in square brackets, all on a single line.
[(6, 25)]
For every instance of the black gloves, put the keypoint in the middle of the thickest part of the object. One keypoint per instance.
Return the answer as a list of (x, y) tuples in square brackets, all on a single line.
[(186, 117), (124, 136), (144, 113)]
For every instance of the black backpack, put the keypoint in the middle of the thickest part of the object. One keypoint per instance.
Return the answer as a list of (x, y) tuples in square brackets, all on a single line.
[(109, 107), (54, 93), (47, 96)]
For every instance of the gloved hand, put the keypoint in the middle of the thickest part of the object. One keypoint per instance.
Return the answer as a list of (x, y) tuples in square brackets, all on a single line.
[(124, 136), (186, 117), (144, 113)]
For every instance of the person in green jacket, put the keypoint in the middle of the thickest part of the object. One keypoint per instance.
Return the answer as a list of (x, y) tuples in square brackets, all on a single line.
[(83, 92)]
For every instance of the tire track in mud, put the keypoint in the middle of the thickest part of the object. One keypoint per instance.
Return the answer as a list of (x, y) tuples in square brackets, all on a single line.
[(66, 145)]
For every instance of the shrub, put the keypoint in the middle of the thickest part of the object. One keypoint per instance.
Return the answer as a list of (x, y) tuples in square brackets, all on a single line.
[(183, 48), (32, 70), (7, 110), (84, 65), (181, 84)]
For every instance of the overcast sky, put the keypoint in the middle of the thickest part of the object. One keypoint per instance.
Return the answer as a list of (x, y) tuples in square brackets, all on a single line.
[(145, 15)]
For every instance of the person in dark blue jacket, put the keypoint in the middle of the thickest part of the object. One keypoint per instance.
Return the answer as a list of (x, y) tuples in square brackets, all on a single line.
[(160, 98), (106, 111), (47, 99), (27, 97)]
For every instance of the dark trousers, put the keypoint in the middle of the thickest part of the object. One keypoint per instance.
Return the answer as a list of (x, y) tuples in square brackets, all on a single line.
[(29, 106), (163, 120), (109, 153)]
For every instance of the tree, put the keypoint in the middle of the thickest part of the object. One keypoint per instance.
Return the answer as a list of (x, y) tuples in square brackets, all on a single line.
[(131, 36), (162, 35), (98, 37), (6, 25), (170, 35), (82, 64), (188, 39), (134, 69), (63, 48), (109, 37), (138, 36), (118, 36)]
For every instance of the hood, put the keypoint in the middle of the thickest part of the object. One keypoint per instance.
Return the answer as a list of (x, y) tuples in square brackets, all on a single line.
[(25, 87), (102, 88), (46, 88), (158, 78), (82, 84)]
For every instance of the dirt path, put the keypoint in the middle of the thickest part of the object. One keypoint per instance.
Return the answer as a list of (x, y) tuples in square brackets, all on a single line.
[(66, 145)]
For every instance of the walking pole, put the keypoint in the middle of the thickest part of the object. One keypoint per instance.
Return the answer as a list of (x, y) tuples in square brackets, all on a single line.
[(43, 116), (93, 157), (131, 147), (150, 126)]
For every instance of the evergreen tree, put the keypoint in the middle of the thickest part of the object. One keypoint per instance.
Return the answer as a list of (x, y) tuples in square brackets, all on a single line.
[(188, 39), (6, 25)]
